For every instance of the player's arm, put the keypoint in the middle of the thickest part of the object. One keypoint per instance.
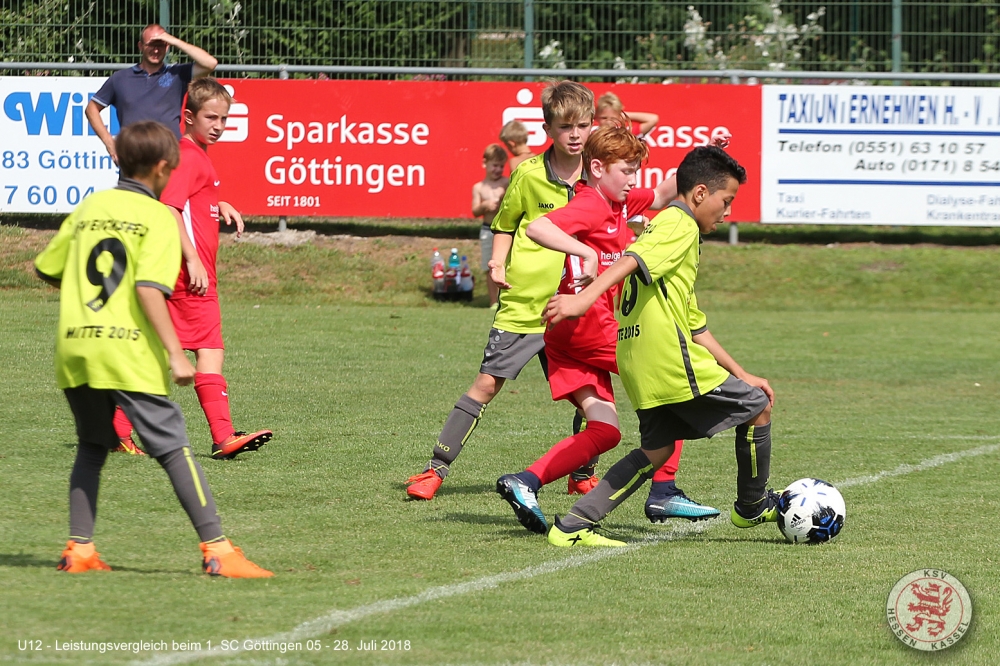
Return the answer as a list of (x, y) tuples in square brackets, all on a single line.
[(509, 215), (93, 113), (548, 235), (231, 215), (204, 63), (722, 357), (196, 270), (51, 262), (154, 304), (665, 192), (647, 121), (502, 242), (571, 306)]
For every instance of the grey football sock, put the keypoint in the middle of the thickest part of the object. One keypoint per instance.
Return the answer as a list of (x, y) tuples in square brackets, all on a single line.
[(462, 420), (84, 481), (753, 462), (624, 478), (193, 492)]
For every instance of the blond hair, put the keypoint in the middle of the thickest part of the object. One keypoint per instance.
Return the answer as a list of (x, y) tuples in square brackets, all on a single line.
[(514, 133), (494, 153), (614, 144), (609, 100), (200, 91), (567, 100)]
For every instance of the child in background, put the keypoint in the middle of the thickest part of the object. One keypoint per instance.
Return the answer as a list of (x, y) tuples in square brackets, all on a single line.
[(514, 135), (486, 196), (609, 114)]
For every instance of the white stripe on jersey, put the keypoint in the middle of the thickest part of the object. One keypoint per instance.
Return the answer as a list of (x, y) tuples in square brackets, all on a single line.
[(186, 215)]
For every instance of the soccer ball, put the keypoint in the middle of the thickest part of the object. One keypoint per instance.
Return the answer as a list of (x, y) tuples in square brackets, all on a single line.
[(811, 511)]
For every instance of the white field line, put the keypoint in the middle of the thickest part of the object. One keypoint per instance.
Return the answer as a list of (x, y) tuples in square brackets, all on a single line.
[(336, 618), (930, 463)]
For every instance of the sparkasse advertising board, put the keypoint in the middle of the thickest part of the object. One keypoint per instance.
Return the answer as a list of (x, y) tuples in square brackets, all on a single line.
[(414, 148), (881, 155), (351, 148)]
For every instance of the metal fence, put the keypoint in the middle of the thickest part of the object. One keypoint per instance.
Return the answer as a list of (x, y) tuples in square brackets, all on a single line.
[(808, 35)]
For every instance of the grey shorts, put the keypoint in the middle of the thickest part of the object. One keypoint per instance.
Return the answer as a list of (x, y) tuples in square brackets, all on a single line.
[(732, 403), (158, 421), (485, 247), (506, 354)]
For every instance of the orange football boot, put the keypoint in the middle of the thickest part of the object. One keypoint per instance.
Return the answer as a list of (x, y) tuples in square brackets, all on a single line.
[(423, 486), (574, 487), (80, 557), (222, 558), (239, 442)]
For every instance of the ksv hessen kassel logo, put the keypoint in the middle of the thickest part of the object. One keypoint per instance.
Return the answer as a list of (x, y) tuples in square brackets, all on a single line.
[(929, 610)]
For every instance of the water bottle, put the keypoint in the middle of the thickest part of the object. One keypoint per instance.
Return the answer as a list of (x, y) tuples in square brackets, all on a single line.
[(453, 276), (467, 281), (437, 272)]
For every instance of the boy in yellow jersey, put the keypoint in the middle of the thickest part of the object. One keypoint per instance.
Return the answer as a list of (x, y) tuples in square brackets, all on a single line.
[(539, 185), (682, 383), (116, 259)]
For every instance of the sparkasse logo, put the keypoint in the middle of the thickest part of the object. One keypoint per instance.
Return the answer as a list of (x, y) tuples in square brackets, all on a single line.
[(238, 124)]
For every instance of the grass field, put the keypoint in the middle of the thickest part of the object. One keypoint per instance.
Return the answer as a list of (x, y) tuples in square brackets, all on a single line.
[(884, 360)]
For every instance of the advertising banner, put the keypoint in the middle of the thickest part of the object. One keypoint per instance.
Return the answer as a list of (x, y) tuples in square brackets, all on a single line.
[(50, 157), (414, 148), (881, 155), (351, 148)]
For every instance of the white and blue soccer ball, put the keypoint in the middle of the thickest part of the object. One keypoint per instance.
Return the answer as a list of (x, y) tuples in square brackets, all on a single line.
[(811, 511)]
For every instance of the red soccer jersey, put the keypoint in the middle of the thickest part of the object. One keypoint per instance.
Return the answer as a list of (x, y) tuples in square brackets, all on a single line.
[(194, 190), (601, 226)]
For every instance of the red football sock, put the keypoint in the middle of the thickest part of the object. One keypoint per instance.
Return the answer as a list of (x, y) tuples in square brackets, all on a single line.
[(123, 427), (214, 399), (574, 452), (669, 470)]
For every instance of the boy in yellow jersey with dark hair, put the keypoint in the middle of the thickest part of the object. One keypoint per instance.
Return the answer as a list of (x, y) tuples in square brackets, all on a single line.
[(116, 259), (682, 383)]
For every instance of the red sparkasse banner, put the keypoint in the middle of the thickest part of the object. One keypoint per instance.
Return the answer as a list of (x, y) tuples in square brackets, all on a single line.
[(414, 148)]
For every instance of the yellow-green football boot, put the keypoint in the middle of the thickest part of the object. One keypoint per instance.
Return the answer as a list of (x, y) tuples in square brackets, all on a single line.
[(764, 511), (584, 537)]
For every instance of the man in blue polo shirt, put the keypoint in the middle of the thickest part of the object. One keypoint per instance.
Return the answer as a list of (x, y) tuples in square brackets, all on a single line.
[(150, 90)]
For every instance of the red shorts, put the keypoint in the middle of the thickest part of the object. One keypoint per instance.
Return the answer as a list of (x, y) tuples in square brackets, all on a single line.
[(198, 321), (570, 370)]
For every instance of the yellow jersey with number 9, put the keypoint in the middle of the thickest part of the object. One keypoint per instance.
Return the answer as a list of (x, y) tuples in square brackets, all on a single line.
[(115, 241)]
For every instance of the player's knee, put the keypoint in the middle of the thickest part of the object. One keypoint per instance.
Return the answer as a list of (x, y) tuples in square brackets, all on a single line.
[(485, 388), (608, 436), (764, 417)]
